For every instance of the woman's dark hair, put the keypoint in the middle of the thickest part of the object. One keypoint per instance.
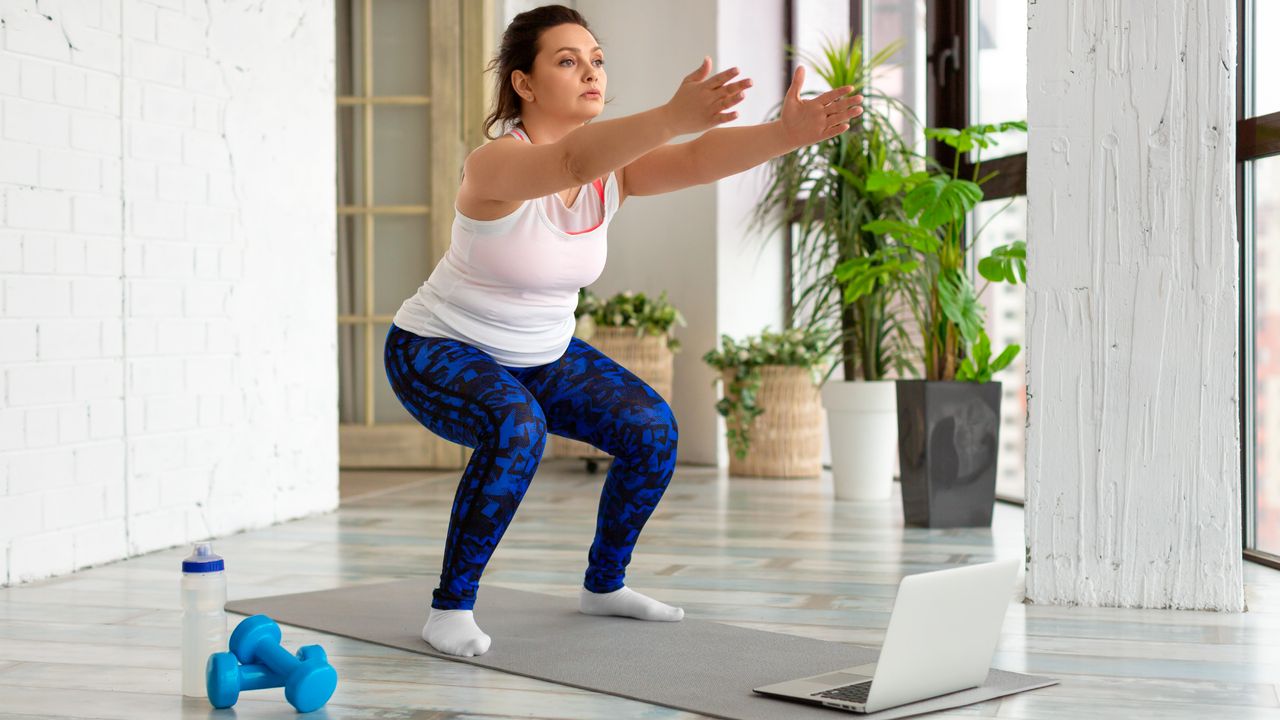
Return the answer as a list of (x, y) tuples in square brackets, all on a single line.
[(519, 48)]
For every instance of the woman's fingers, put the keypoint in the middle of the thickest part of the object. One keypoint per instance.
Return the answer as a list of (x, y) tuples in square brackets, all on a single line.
[(830, 96), (844, 116), (835, 130), (734, 93), (720, 78), (839, 109), (841, 106), (732, 100)]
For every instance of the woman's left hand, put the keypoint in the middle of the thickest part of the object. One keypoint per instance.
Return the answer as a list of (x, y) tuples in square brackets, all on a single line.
[(806, 122)]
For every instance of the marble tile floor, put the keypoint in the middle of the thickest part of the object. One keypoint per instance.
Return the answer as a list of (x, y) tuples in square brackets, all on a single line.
[(776, 555)]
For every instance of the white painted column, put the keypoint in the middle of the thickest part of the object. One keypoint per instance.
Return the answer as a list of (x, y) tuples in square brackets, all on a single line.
[(1133, 459)]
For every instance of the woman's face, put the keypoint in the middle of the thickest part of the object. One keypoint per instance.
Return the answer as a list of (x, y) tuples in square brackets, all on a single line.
[(568, 78)]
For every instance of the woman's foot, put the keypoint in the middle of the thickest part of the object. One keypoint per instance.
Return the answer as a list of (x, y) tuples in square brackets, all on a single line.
[(628, 603), (454, 632)]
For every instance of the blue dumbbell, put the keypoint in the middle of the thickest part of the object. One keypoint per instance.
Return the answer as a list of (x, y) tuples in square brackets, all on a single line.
[(309, 680), (226, 678)]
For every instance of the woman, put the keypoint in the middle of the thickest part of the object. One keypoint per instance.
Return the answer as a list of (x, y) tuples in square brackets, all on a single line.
[(483, 354)]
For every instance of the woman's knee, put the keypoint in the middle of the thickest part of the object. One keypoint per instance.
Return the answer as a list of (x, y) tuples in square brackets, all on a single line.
[(664, 415), (520, 424), (656, 422)]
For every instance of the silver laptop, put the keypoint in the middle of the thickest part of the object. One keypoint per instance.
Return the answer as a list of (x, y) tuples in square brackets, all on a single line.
[(941, 638)]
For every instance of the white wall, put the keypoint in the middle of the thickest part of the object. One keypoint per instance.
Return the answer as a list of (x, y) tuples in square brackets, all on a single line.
[(167, 292), (691, 242), (750, 267), (1133, 460)]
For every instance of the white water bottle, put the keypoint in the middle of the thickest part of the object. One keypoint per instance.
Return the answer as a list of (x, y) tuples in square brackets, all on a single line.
[(204, 621)]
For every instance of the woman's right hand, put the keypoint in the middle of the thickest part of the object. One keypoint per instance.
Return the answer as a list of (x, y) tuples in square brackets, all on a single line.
[(700, 101)]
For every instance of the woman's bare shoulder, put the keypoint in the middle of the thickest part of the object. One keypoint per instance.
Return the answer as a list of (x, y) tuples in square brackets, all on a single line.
[(471, 200)]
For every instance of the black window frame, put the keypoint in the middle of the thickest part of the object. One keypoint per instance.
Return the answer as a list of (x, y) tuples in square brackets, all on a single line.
[(948, 99)]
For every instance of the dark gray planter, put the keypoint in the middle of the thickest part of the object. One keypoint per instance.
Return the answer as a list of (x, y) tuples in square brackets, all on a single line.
[(948, 442)]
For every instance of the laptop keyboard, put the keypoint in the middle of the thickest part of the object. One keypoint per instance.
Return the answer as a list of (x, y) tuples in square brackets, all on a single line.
[(855, 693)]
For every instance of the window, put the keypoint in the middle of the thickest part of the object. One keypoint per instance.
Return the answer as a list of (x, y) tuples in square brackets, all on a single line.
[(400, 129), (962, 62), (1258, 212)]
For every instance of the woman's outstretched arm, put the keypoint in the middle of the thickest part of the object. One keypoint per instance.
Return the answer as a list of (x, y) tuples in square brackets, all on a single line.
[(715, 154), (723, 152)]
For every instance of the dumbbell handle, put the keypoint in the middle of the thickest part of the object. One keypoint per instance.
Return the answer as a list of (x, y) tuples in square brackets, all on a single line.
[(276, 658), (259, 677)]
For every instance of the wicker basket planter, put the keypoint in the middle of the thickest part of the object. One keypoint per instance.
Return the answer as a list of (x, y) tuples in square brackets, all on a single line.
[(647, 356), (786, 440)]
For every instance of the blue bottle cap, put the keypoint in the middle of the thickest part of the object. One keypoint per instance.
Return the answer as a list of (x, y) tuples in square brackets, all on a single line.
[(202, 560)]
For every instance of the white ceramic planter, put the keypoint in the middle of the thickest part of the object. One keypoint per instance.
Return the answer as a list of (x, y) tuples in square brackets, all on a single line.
[(862, 419)]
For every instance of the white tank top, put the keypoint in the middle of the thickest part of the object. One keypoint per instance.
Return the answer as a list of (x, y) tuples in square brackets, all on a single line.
[(509, 286)]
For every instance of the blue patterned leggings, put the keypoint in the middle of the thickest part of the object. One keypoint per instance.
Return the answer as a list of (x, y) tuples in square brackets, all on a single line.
[(504, 413)]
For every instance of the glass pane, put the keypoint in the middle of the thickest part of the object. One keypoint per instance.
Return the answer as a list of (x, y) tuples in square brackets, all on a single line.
[(348, 47), (351, 264), (903, 74), (818, 23), (386, 406), (401, 155), (351, 366), (1006, 313), (999, 46), (1266, 58), (352, 362), (401, 259), (350, 157), (401, 53), (1266, 352)]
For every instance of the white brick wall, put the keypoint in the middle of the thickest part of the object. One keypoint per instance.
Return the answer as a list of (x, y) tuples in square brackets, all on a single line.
[(167, 221)]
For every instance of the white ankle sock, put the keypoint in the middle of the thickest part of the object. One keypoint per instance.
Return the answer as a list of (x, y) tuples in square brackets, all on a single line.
[(454, 632), (628, 603)]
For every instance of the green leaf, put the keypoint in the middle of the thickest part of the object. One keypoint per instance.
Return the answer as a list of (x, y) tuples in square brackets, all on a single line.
[(1007, 263), (960, 304), (982, 351), (849, 178), (924, 241), (948, 136), (886, 227), (923, 196), (887, 181), (955, 199), (1005, 358)]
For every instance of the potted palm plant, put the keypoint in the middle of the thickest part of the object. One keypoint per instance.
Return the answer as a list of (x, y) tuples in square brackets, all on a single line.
[(770, 401), (635, 330), (948, 422), (822, 192)]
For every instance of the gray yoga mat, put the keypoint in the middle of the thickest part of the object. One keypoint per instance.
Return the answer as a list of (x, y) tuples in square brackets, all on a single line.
[(694, 665)]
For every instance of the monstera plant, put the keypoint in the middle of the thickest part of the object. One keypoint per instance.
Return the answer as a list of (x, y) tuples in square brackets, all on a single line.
[(949, 422)]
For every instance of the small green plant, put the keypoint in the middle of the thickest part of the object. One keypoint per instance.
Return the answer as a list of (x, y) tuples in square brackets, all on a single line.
[(649, 316), (798, 347)]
